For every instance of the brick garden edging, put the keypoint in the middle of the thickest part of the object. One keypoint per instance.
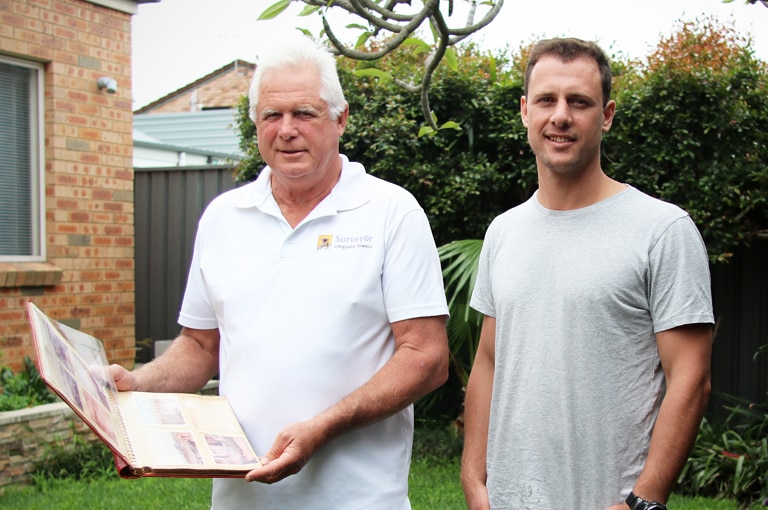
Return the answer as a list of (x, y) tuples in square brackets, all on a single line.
[(26, 434)]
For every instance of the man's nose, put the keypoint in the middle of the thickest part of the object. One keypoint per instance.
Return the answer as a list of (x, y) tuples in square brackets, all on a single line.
[(288, 127), (561, 115)]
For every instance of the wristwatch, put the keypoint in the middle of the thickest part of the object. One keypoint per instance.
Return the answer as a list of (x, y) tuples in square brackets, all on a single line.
[(637, 503)]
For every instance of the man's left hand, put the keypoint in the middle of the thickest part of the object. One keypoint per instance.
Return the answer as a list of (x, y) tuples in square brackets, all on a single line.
[(292, 449)]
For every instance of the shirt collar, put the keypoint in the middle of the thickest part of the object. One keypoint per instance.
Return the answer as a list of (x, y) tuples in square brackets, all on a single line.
[(349, 193)]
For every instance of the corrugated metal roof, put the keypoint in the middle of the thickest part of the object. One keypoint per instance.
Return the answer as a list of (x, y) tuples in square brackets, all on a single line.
[(214, 130), (141, 139)]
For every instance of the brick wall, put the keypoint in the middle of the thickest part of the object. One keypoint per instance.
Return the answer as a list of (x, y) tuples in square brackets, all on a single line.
[(87, 280), (223, 91)]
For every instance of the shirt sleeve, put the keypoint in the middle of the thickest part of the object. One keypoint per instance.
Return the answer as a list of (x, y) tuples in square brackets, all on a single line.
[(412, 279), (196, 310), (482, 298), (679, 283)]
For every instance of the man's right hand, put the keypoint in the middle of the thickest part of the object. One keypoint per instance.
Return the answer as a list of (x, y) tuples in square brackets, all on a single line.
[(477, 497), (124, 379)]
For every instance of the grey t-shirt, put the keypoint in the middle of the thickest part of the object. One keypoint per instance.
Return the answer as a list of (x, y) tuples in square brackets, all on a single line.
[(578, 297)]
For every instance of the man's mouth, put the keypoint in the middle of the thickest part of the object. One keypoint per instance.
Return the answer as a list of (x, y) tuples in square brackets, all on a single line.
[(559, 139)]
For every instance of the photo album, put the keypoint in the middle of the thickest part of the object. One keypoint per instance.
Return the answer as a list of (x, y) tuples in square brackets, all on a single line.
[(150, 434)]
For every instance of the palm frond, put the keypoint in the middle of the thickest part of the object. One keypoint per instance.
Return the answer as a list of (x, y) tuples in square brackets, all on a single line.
[(460, 260)]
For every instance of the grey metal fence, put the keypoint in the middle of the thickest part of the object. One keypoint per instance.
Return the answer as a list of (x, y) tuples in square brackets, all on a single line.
[(740, 294), (168, 203)]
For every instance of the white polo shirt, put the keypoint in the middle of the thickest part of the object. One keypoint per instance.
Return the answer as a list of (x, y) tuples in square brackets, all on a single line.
[(304, 316)]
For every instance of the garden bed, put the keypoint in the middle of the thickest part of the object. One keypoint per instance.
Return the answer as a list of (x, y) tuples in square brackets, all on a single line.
[(27, 434)]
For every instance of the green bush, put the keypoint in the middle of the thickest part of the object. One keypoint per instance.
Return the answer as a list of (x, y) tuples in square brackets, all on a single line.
[(436, 442), (249, 167), (75, 460), (691, 128), (25, 389), (730, 457), (462, 178)]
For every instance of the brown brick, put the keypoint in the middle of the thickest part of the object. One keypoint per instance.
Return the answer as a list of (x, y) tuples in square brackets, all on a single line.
[(88, 171)]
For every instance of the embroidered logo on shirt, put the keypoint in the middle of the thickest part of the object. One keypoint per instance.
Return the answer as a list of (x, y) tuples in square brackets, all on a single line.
[(324, 241), (344, 242)]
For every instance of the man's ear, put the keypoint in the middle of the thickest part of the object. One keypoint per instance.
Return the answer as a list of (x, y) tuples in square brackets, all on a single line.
[(524, 110), (608, 112), (341, 122)]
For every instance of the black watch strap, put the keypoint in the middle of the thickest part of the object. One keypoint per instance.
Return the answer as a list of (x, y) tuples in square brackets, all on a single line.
[(637, 503)]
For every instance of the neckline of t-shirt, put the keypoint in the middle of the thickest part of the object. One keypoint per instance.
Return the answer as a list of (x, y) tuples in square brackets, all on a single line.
[(606, 202)]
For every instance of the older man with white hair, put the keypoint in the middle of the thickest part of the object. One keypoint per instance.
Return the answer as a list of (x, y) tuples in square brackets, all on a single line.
[(316, 293)]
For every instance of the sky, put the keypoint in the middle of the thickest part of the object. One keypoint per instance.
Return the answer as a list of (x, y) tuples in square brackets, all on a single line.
[(176, 42)]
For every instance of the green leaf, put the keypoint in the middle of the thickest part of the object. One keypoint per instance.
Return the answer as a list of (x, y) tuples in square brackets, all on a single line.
[(362, 39), (435, 33), (309, 9), (421, 46), (426, 131), (305, 31), (451, 60), (451, 125), (372, 72), (274, 10)]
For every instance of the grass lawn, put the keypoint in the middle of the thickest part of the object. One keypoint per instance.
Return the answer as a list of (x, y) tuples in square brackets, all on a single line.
[(434, 486)]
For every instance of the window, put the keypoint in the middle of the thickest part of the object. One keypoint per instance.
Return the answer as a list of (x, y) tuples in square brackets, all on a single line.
[(22, 231)]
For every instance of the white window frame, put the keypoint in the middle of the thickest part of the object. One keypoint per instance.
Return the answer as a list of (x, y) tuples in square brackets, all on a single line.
[(37, 158)]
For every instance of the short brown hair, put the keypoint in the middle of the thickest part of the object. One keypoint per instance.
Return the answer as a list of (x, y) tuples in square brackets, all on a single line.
[(567, 49)]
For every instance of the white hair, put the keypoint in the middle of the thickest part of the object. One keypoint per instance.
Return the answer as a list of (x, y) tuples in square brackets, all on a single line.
[(300, 52)]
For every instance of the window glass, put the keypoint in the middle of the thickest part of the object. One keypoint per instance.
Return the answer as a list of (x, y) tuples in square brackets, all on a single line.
[(21, 228)]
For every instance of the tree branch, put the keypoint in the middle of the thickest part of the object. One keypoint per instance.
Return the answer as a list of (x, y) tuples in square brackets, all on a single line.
[(388, 17)]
